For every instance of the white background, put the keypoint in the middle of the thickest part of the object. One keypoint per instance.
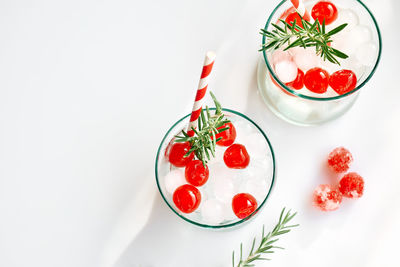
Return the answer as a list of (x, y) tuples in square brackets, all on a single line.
[(89, 88)]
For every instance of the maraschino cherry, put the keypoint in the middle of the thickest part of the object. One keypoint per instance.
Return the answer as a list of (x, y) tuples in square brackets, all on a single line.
[(177, 152), (236, 157), (228, 136), (324, 10), (243, 205), (317, 80), (196, 173), (343, 81), (187, 198)]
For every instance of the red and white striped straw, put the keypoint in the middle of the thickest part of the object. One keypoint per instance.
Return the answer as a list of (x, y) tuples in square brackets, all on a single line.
[(300, 7), (201, 91)]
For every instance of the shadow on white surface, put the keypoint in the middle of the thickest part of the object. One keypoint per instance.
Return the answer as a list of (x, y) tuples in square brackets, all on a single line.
[(134, 217), (163, 228)]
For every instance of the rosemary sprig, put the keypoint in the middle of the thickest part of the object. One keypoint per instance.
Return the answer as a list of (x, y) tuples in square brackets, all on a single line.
[(312, 34), (267, 241), (203, 142)]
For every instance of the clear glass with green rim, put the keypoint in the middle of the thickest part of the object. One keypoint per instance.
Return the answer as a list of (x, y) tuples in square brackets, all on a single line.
[(162, 167), (310, 109)]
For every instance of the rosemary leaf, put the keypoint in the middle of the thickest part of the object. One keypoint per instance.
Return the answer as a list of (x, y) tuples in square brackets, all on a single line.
[(310, 35), (203, 143), (266, 242)]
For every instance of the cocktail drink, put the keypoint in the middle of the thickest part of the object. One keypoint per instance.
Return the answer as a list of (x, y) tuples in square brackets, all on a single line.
[(311, 71), (230, 187)]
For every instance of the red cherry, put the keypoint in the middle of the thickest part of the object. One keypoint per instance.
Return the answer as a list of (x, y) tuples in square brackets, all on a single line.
[(294, 16), (343, 81), (298, 83), (324, 10), (228, 136), (236, 157), (187, 198), (317, 80), (177, 154), (243, 205), (195, 173)]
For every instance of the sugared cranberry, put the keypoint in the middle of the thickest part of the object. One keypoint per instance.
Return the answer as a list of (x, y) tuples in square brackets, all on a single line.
[(196, 173), (187, 198), (343, 81), (236, 157), (340, 159), (324, 10), (317, 80), (327, 198), (352, 185), (228, 136), (177, 154), (243, 205), (298, 83), (292, 17)]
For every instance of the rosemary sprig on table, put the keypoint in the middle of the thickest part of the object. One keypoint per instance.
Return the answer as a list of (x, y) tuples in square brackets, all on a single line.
[(312, 34), (203, 142), (266, 245)]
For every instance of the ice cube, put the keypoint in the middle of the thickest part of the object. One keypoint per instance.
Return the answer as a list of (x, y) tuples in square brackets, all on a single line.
[(367, 54), (305, 59), (360, 35), (345, 16), (329, 66), (229, 215), (212, 211), (174, 179), (344, 43), (257, 187), (280, 55), (256, 145), (219, 154), (243, 127), (286, 71), (223, 187), (352, 63)]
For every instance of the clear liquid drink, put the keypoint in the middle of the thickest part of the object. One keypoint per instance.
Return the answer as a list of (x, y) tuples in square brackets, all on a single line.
[(278, 69), (224, 183)]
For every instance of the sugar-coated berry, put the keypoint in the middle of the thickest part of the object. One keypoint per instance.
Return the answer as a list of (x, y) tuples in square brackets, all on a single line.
[(236, 157), (187, 198), (228, 136), (324, 10), (327, 198), (196, 173), (352, 185), (292, 17), (177, 154), (243, 205), (316, 80), (343, 81), (340, 159), (298, 83)]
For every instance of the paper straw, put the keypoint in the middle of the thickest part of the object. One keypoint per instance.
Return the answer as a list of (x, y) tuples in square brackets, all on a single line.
[(201, 91)]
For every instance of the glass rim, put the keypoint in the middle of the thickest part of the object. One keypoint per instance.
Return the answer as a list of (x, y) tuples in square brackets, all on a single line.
[(224, 225), (294, 92)]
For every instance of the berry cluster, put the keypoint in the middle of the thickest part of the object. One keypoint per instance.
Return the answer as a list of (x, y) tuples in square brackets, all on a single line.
[(328, 197), (187, 197)]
